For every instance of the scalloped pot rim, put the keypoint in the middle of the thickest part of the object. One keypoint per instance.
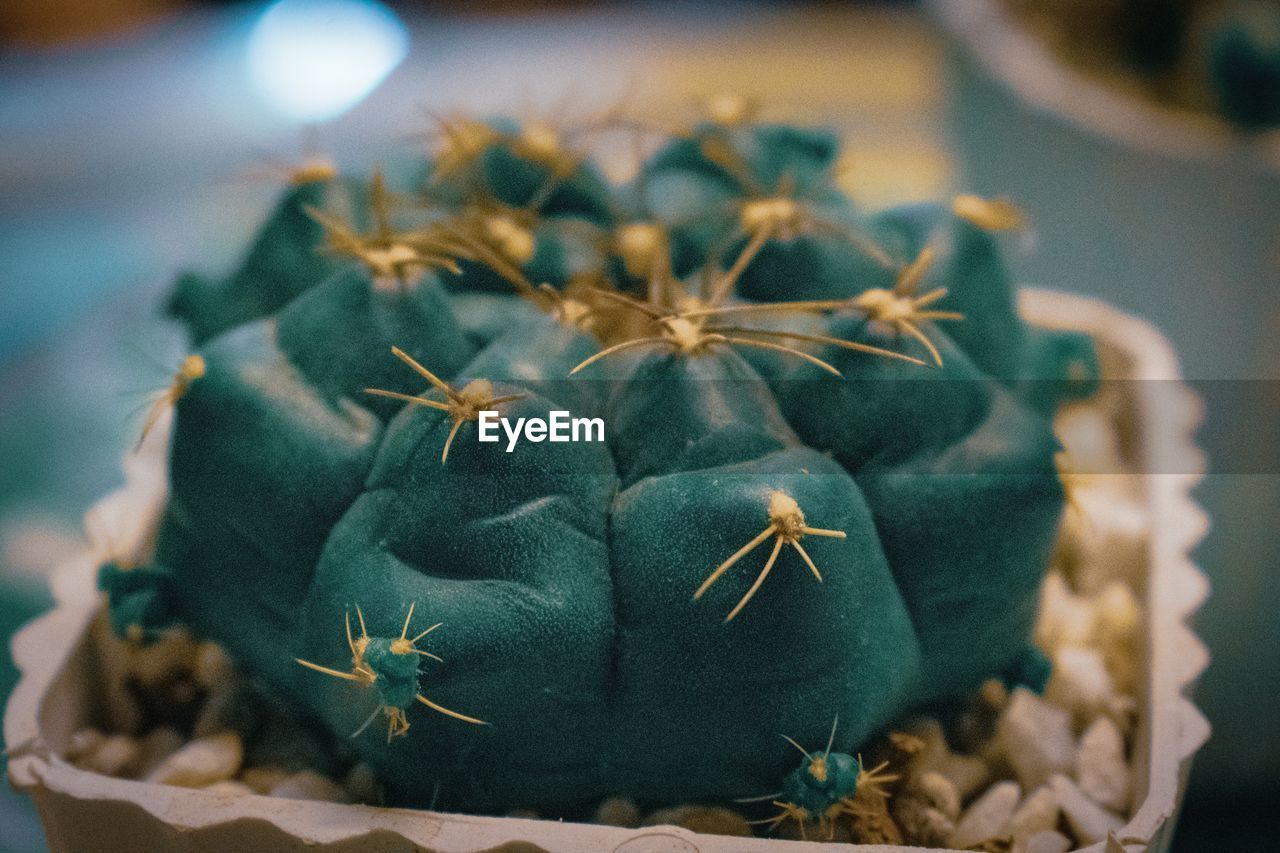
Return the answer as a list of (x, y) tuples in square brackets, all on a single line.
[(77, 806), (1022, 63)]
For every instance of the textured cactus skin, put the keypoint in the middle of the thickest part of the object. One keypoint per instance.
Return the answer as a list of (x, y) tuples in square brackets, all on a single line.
[(368, 320), (509, 552), (563, 573), (515, 178), (790, 660), (261, 468)]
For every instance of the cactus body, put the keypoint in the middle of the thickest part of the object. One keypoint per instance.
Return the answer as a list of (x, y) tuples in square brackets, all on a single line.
[(758, 546)]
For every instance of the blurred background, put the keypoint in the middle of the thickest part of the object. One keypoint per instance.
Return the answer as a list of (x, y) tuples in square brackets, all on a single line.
[(137, 137)]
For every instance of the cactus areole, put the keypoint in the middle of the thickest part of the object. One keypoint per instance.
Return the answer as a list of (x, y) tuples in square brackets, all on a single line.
[(822, 485)]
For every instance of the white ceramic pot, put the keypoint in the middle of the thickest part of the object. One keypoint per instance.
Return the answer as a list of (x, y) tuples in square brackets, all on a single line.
[(83, 811)]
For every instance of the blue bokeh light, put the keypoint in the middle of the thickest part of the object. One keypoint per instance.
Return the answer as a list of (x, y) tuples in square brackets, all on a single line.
[(312, 60)]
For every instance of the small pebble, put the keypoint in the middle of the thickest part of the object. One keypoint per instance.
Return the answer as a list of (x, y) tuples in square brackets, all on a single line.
[(309, 785), (82, 743), (971, 731), (156, 745), (1123, 711), (999, 844), (712, 820), (987, 816), (1100, 768), (994, 694), (217, 714), (201, 762), (1118, 633), (163, 661), (618, 811), (967, 772), (1088, 435), (212, 668), (938, 791), (1048, 841), (1080, 682), (1089, 821), (902, 749), (922, 823), (1065, 619), (362, 785), (1110, 541), (263, 779), (1117, 613), (901, 753), (1038, 812), (1035, 738), (111, 756)]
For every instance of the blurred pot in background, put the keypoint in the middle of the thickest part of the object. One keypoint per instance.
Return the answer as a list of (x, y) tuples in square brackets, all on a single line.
[(1175, 214)]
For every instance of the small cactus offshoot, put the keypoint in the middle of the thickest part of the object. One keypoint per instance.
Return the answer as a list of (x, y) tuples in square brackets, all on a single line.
[(392, 666), (826, 787)]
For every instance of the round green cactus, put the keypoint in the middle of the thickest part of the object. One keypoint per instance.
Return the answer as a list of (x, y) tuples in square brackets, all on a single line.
[(813, 501)]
